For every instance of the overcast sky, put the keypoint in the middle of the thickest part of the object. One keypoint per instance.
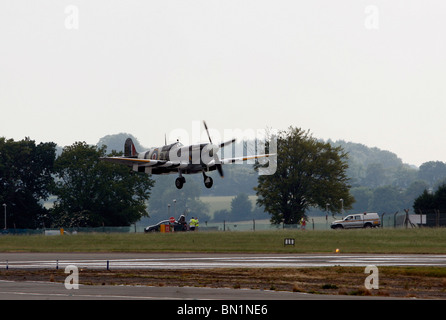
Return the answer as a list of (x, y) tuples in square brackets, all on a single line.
[(372, 72)]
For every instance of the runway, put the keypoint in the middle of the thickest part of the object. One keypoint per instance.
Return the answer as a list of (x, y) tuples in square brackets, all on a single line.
[(29, 290), (209, 260), (18, 290)]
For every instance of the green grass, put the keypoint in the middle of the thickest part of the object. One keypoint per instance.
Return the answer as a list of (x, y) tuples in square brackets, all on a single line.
[(424, 240)]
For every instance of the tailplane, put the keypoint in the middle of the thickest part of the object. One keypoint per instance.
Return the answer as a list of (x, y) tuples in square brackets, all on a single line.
[(129, 148)]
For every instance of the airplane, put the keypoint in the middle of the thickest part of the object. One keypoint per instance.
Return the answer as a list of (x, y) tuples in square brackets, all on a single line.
[(176, 158)]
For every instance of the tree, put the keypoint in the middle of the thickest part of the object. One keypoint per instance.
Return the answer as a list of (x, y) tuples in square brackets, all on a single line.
[(363, 196), (222, 215), (93, 193), (25, 179), (412, 192), (429, 202), (241, 207), (309, 173), (425, 203), (386, 199), (432, 172), (375, 176)]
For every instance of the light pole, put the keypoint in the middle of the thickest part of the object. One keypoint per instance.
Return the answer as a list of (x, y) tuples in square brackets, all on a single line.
[(342, 207), (4, 205), (174, 207)]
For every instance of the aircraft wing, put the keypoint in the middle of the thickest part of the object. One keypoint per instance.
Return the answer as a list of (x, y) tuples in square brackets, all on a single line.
[(240, 159), (141, 162), (127, 161), (135, 162)]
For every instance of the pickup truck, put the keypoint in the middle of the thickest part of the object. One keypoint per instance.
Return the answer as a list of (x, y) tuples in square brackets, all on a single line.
[(359, 220)]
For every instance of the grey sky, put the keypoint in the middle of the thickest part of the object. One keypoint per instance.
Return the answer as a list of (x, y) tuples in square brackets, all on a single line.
[(372, 72)]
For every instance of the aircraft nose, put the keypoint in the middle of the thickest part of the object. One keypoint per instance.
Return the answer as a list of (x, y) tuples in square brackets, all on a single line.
[(210, 153)]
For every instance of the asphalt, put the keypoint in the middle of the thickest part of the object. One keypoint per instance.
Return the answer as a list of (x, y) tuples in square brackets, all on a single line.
[(28, 290), (212, 260)]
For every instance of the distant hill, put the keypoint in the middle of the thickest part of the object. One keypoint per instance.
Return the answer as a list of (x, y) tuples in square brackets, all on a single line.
[(373, 167), (365, 155)]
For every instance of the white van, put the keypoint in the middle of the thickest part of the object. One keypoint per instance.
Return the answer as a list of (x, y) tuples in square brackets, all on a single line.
[(359, 220)]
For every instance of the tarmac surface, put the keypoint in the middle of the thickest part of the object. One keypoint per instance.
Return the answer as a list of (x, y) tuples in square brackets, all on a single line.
[(40, 290), (212, 260), (27, 290)]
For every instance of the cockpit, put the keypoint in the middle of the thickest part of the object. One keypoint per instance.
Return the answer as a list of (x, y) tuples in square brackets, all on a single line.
[(175, 145)]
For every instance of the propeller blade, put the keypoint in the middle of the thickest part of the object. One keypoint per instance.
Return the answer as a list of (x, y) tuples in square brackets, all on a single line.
[(215, 150), (206, 127), (220, 169), (224, 144)]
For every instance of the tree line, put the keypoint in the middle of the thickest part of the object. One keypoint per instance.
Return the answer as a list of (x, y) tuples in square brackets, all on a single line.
[(311, 176), (431, 201), (381, 182), (88, 192)]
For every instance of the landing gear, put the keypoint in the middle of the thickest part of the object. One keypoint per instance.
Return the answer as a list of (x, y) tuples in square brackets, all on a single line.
[(180, 181), (208, 182)]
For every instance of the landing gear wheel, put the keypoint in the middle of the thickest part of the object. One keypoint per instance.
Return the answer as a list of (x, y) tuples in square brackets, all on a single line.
[(179, 182), (208, 182)]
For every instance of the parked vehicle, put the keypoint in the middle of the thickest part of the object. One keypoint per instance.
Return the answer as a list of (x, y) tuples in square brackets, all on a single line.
[(177, 225), (360, 220)]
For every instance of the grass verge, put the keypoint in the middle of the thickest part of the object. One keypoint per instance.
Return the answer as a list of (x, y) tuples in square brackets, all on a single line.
[(426, 240), (404, 282)]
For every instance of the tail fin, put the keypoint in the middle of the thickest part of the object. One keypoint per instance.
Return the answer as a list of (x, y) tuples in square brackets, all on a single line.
[(129, 148)]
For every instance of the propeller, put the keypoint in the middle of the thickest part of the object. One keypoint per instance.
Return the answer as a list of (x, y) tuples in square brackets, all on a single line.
[(215, 150), (207, 131), (224, 144)]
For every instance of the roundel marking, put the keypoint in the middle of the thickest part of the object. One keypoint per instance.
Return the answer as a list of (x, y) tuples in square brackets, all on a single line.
[(155, 154)]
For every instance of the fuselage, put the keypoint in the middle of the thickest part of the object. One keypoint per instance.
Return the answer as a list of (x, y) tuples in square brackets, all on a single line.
[(190, 159)]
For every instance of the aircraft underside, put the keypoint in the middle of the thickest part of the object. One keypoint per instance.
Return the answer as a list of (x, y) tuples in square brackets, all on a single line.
[(180, 181)]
